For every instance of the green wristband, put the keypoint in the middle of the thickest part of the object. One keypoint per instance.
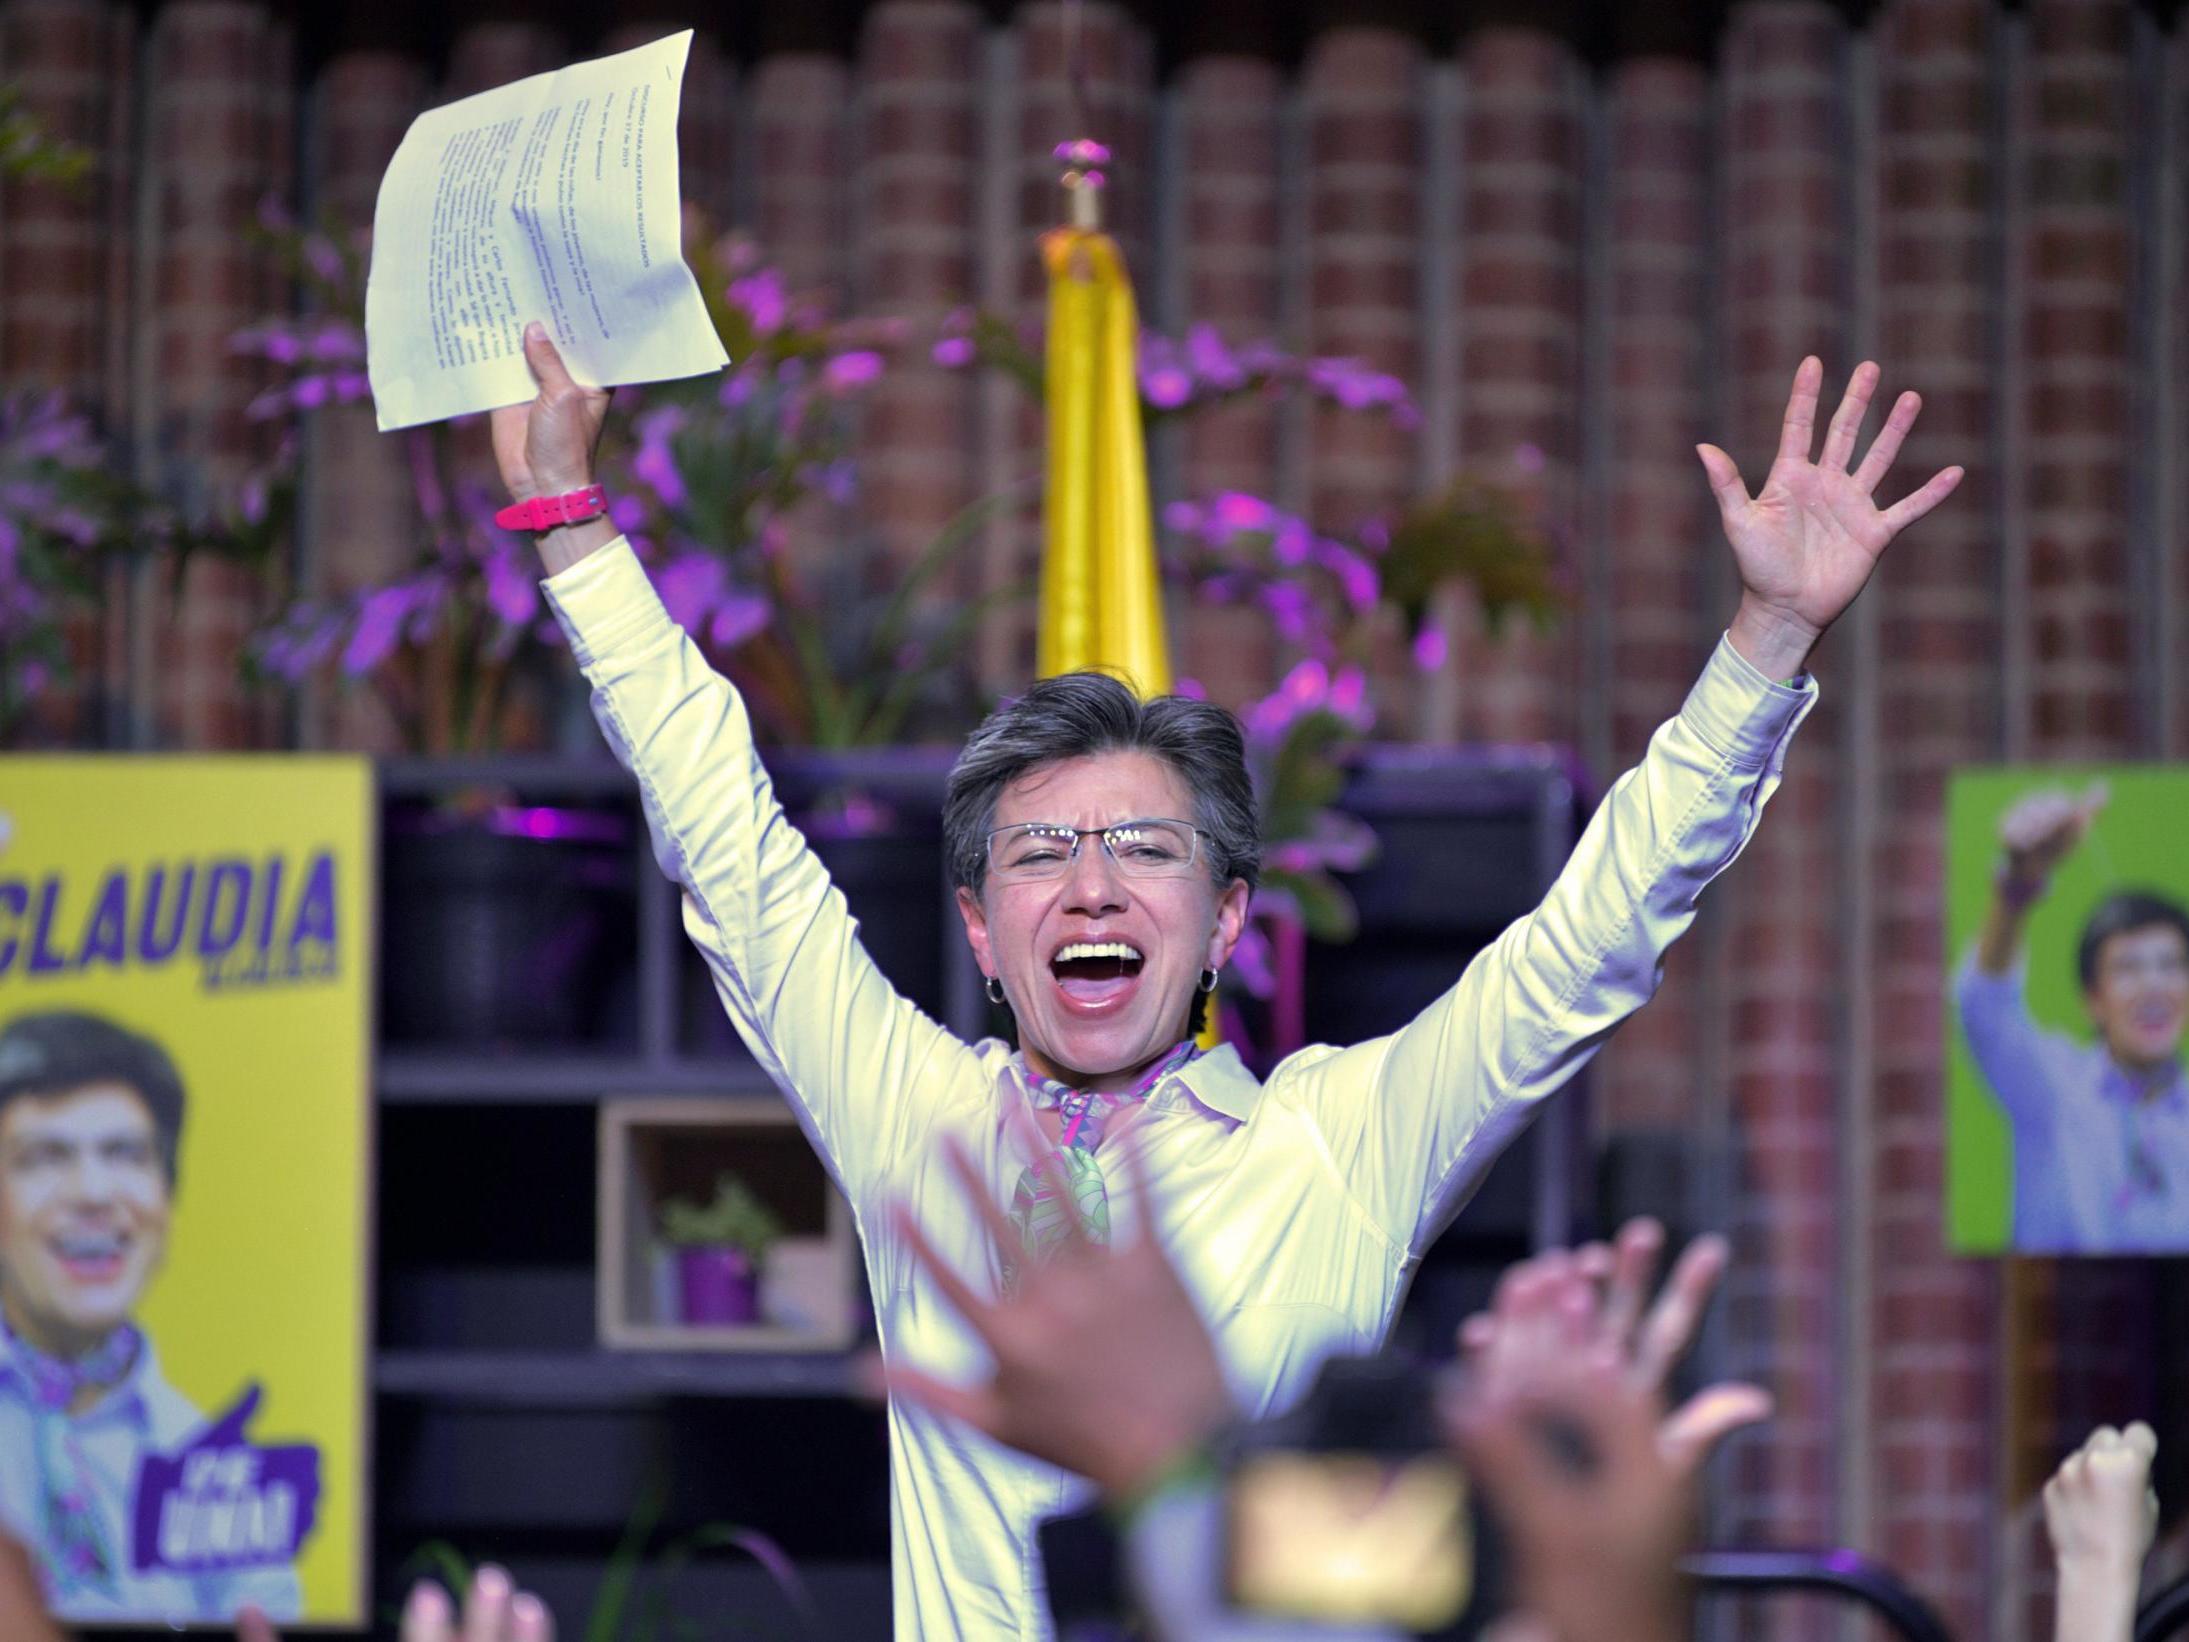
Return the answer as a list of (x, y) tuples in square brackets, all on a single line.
[(1187, 1468)]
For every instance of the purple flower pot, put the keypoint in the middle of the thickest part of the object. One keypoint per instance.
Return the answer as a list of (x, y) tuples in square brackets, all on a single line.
[(717, 1285)]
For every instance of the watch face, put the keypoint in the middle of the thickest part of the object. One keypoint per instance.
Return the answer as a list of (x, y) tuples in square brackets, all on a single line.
[(1352, 1539)]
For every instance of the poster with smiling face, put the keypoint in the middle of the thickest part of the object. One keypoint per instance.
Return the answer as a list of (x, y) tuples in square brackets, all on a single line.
[(2067, 1004), (184, 1144)]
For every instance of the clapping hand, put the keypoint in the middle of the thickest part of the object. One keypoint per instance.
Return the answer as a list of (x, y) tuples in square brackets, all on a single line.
[(494, 1611), (1567, 1442), (1807, 542), (1596, 1301)]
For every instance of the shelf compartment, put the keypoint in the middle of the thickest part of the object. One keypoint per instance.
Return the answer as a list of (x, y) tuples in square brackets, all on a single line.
[(651, 1150), (439, 1077), (606, 1379)]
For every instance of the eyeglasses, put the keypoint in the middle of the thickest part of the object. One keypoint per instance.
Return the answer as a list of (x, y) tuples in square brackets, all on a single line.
[(1036, 850)]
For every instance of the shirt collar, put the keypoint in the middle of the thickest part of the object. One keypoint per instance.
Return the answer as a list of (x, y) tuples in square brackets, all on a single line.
[(1217, 1080), (131, 1392), (1220, 1081), (2120, 1089)]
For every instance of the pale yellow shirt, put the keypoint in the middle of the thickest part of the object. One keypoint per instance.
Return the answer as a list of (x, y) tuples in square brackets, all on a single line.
[(1297, 1209)]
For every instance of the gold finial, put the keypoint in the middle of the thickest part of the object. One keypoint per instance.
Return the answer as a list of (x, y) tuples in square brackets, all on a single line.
[(1083, 180)]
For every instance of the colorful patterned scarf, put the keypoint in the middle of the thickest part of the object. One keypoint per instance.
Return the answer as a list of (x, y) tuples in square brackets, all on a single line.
[(1037, 1206), (77, 1554)]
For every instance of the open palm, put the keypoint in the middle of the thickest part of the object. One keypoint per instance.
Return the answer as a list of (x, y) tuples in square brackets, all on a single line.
[(1808, 541)]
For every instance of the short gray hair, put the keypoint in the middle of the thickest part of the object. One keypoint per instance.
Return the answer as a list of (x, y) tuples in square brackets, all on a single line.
[(1077, 714)]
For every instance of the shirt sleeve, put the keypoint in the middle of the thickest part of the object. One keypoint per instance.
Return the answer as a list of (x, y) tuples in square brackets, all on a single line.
[(2012, 1051), (853, 1055), (1413, 1119)]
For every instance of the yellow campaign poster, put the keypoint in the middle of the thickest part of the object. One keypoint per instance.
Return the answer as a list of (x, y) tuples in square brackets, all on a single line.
[(184, 1143)]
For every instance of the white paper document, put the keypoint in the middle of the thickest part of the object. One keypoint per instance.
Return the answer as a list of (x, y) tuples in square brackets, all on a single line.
[(553, 199)]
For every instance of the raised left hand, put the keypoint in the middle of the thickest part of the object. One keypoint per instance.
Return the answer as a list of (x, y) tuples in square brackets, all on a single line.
[(1807, 543), (1102, 1364)]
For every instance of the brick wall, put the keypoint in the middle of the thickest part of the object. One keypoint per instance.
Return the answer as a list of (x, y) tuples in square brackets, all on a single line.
[(1783, 284), (918, 181), (1655, 518), (1519, 317), (361, 525), (1930, 1392), (2080, 1334), (220, 121), (1599, 258), (1230, 111), (66, 270)]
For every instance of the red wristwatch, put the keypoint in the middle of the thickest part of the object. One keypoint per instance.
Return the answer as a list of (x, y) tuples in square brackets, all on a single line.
[(546, 512)]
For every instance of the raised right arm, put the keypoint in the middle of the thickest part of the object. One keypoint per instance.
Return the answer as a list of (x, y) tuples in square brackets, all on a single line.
[(863, 1067), (2036, 834)]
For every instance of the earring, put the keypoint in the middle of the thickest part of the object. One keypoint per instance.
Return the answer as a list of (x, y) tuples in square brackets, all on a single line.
[(1208, 980), (994, 988)]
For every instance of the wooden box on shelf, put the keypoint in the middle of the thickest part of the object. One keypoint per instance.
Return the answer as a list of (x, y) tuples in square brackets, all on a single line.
[(656, 1150)]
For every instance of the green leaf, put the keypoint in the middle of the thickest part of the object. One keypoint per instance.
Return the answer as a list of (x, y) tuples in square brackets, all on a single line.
[(734, 1216), (620, 1580), (1473, 535)]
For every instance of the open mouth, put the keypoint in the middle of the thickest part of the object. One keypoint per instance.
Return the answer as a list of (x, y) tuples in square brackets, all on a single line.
[(91, 1257), (1096, 974)]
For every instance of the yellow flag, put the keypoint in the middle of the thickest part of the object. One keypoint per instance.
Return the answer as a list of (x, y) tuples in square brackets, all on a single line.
[(1101, 597)]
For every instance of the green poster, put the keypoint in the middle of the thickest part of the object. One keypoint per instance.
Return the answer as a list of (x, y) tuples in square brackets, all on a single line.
[(2067, 995)]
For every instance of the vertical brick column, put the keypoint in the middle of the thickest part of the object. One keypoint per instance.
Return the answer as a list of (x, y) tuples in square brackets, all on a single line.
[(65, 271), (1362, 88), (1363, 91), (1365, 110), (221, 119), (366, 100), (360, 523), (2173, 296), (1933, 1450), (2076, 265), (1784, 282), (1520, 336), (919, 149), (1230, 110), (800, 102), (2080, 1340), (1658, 519), (66, 279)]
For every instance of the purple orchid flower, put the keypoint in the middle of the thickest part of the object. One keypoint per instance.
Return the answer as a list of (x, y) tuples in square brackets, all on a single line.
[(380, 619), (656, 462), (760, 294), (1215, 364), (1430, 647), (848, 372)]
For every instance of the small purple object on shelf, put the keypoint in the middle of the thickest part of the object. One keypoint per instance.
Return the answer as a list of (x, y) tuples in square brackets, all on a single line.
[(717, 1285)]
